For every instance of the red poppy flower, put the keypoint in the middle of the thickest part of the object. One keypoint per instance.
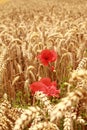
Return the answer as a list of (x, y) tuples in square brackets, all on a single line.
[(53, 92), (47, 56), (46, 86), (38, 86), (47, 81)]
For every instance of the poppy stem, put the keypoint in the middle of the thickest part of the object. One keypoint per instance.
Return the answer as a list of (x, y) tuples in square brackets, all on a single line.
[(33, 101)]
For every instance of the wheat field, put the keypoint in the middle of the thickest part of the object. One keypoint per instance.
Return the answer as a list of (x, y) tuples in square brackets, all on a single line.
[(27, 27)]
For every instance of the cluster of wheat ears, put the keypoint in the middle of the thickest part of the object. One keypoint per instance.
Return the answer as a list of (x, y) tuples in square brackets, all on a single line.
[(24, 33)]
